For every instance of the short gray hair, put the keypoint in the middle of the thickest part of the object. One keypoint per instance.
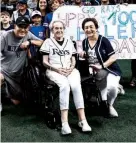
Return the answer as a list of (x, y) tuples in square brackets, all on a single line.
[(53, 22)]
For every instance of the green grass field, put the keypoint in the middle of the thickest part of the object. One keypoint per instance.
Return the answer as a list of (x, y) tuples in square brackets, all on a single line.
[(19, 126)]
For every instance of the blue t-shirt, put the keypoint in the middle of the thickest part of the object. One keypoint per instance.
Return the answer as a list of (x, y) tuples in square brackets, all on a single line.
[(38, 31), (48, 19)]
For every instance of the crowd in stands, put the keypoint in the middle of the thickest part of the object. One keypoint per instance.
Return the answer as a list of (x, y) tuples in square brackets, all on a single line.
[(11, 9)]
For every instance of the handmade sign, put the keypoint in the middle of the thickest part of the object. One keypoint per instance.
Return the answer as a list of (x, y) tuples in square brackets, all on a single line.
[(116, 22)]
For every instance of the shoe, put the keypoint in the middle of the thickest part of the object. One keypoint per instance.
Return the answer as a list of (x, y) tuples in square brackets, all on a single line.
[(84, 125), (0, 107), (121, 91), (112, 112), (133, 82), (65, 130)]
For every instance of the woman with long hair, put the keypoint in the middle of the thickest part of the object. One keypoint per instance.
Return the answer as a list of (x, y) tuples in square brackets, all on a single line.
[(43, 7)]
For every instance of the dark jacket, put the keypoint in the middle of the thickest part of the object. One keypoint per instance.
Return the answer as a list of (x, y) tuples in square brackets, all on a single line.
[(103, 51)]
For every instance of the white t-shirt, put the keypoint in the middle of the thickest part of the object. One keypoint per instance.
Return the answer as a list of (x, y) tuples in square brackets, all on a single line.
[(92, 56), (59, 56)]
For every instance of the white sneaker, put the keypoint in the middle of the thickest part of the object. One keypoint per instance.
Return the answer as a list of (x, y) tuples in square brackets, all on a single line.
[(112, 112), (121, 91), (0, 107), (65, 130), (84, 125)]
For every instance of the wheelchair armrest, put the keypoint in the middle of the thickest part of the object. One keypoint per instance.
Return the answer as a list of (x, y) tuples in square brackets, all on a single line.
[(86, 78), (49, 83)]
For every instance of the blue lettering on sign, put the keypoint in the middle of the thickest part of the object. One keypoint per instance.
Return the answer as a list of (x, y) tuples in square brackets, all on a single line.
[(108, 8), (120, 31), (106, 33), (126, 18), (133, 29), (113, 15), (88, 10), (119, 19), (114, 19), (79, 32), (131, 16)]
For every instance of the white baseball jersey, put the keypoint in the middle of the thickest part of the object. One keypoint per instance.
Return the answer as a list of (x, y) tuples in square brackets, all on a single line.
[(59, 56)]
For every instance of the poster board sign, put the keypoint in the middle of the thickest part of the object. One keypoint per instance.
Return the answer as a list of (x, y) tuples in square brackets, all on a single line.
[(116, 22)]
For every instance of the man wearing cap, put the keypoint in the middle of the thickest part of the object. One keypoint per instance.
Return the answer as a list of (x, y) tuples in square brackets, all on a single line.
[(22, 11), (14, 45)]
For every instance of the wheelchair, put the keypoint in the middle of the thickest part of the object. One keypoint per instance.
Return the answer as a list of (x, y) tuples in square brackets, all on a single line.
[(45, 92), (42, 92), (94, 104)]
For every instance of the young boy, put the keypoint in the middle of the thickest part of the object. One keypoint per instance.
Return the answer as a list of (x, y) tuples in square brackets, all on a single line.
[(5, 21), (37, 29)]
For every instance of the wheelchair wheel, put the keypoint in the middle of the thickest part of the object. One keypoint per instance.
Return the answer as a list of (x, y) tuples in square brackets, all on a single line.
[(52, 110), (52, 119)]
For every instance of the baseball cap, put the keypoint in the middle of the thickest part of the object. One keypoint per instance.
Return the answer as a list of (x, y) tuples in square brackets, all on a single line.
[(22, 1), (36, 12), (22, 20)]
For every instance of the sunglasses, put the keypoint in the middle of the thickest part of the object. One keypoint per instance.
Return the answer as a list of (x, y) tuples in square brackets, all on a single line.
[(23, 26)]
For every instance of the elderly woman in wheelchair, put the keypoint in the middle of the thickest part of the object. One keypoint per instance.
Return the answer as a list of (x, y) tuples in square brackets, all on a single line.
[(59, 58), (101, 57)]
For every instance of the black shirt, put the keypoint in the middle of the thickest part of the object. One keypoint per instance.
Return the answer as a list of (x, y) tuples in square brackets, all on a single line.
[(60, 42), (9, 28)]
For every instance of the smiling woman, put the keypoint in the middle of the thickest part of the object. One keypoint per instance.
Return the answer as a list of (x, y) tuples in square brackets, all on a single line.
[(43, 7), (99, 53), (57, 30), (59, 57)]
